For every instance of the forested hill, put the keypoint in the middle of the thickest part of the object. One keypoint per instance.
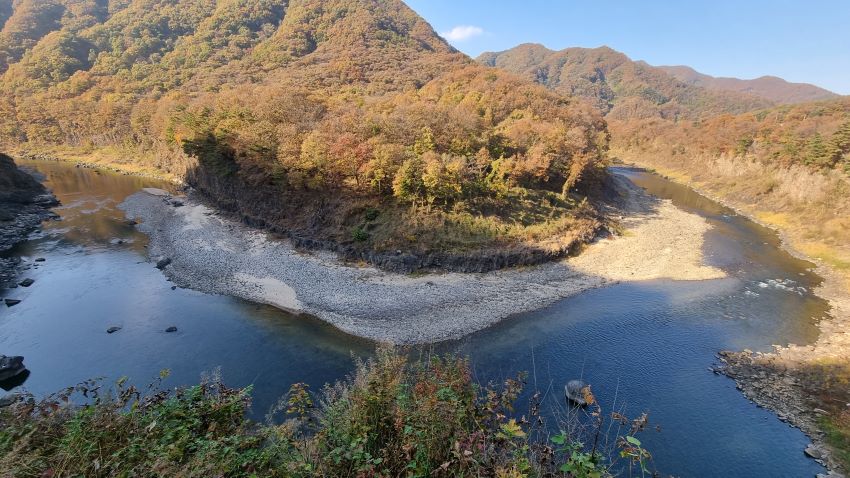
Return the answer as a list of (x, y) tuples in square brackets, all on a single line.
[(768, 87), (787, 164), (642, 104), (303, 114), (619, 87)]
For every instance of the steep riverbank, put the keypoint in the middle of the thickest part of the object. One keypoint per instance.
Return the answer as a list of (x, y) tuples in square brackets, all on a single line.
[(206, 251), (24, 204)]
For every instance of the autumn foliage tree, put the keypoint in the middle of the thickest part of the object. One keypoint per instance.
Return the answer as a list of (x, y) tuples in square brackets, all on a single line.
[(301, 102)]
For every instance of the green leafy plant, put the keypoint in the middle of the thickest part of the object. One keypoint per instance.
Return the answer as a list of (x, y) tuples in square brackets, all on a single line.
[(371, 214), (359, 234), (392, 417)]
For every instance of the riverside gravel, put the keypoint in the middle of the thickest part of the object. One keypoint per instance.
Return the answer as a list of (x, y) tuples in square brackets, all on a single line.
[(214, 254)]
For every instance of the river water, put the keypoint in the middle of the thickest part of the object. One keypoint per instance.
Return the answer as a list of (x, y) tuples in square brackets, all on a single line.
[(645, 347)]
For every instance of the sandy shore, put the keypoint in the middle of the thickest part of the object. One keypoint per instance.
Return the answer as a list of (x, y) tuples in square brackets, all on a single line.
[(216, 255)]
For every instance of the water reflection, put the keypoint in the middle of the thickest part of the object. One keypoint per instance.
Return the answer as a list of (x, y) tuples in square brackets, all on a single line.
[(89, 213)]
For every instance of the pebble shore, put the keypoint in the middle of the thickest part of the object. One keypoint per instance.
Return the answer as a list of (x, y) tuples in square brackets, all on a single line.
[(214, 254)]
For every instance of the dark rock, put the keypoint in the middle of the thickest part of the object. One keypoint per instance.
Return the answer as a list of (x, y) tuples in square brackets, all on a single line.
[(174, 287), (27, 282), (40, 259), (24, 204), (163, 263), (10, 366), (113, 329), (574, 390), (171, 329), (11, 302), (15, 381), (131, 222)]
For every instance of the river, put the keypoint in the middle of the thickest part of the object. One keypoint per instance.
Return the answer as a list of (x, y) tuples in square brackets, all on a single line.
[(643, 346)]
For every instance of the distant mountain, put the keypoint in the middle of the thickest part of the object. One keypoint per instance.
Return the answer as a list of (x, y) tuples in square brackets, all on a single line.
[(769, 87), (301, 114), (618, 86)]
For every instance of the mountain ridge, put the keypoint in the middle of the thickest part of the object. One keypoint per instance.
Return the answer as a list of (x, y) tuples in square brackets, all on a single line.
[(770, 87), (618, 86)]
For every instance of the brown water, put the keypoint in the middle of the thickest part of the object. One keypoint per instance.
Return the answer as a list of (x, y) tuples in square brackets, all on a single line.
[(644, 346)]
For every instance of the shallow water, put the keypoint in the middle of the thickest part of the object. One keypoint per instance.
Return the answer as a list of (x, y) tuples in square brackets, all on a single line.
[(643, 346)]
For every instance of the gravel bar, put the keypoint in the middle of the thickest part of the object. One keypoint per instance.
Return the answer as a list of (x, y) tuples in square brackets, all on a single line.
[(214, 254)]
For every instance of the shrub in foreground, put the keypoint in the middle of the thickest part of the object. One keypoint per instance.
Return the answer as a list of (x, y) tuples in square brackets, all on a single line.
[(392, 417)]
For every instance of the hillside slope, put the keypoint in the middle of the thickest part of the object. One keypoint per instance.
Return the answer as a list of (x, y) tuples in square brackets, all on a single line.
[(346, 124), (768, 87), (616, 85)]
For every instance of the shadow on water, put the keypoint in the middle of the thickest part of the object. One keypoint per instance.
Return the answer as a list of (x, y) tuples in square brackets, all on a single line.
[(643, 346)]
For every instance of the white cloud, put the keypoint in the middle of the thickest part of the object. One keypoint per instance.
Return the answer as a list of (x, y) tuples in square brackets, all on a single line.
[(462, 32)]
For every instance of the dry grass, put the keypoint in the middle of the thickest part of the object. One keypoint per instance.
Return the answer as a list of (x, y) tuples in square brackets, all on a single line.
[(550, 224), (811, 209), (837, 429)]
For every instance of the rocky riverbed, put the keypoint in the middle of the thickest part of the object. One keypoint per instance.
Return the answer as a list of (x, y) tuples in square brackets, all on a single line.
[(804, 384), (24, 204), (209, 252)]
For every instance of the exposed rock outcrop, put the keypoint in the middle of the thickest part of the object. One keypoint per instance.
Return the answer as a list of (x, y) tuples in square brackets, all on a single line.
[(24, 204)]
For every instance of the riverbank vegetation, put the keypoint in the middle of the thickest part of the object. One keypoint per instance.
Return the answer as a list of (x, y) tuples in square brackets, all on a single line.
[(787, 166), (394, 416), (837, 429), (828, 382)]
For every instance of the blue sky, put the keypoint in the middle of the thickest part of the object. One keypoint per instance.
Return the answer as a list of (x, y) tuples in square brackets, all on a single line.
[(804, 40)]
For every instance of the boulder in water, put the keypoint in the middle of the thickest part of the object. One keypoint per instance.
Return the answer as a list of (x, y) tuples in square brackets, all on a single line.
[(813, 451), (9, 400), (15, 382), (163, 263), (171, 329), (11, 302), (27, 282), (10, 367), (575, 392), (113, 329)]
